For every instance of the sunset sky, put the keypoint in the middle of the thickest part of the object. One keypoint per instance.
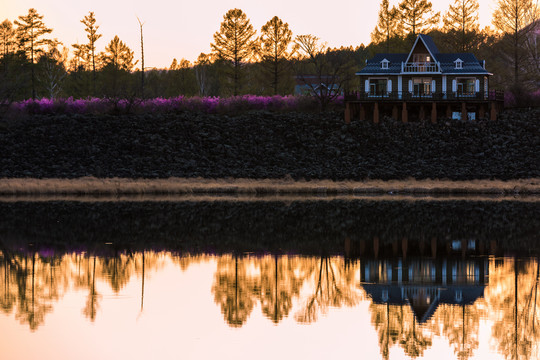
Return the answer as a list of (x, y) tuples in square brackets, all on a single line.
[(181, 29)]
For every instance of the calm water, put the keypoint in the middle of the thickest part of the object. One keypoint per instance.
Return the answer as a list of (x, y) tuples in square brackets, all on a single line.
[(261, 280)]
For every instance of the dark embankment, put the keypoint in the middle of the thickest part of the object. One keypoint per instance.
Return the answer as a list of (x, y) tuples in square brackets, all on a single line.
[(304, 227), (268, 145)]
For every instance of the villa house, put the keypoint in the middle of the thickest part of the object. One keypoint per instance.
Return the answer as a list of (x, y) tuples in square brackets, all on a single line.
[(456, 85)]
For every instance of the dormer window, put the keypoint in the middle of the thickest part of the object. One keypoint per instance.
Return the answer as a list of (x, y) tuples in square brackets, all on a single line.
[(459, 64), (384, 64)]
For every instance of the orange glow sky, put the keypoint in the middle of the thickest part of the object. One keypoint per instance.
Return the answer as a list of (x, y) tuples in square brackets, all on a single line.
[(181, 29)]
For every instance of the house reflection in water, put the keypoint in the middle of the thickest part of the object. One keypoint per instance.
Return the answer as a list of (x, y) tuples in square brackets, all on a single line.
[(424, 283)]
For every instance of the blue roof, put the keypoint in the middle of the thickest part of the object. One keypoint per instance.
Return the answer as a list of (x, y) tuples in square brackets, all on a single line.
[(373, 65), (430, 44), (395, 296), (470, 63)]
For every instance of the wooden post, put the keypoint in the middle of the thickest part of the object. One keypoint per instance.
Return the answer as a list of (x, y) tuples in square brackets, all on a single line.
[(395, 112), (404, 113), (493, 115), (376, 113), (422, 114), (481, 112), (347, 113), (449, 111), (362, 112), (434, 113), (464, 112)]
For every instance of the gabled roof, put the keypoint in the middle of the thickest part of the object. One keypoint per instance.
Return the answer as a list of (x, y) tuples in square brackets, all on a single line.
[(428, 43), (397, 295), (373, 65), (471, 65)]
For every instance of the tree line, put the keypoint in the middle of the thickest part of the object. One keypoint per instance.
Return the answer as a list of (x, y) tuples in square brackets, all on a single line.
[(34, 64)]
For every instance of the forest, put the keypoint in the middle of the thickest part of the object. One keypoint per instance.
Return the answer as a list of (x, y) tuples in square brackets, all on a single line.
[(274, 61)]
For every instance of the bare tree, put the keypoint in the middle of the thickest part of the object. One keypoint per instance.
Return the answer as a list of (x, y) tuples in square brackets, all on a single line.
[(462, 20), (512, 18), (142, 58), (320, 70), (417, 15), (388, 25), (53, 70)]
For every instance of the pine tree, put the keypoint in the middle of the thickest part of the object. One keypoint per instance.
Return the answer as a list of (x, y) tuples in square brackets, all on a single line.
[(91, 33), (234, 42), (30, 30), (118, 55), (7, 37), (274, 50), (461, 22), (387, 26), (117, 59), (417, 16), (513, 17)]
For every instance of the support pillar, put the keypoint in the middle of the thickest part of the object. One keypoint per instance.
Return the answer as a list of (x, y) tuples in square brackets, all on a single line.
[(448, 111), (404, 113), (464, 112), (493, 114), (434, 113), (422, 113), (348, 113), (376, 113), (395, 112), (362, 112), (481, 112)]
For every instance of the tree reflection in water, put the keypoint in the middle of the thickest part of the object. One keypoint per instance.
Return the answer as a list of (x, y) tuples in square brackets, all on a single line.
[(31, 282), (234, 288), (513, 303), (280, 282), (92, 302), (333, 285)]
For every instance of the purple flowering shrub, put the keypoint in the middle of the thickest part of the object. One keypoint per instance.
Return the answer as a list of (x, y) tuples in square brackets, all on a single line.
[(518, 97), (209, 105)]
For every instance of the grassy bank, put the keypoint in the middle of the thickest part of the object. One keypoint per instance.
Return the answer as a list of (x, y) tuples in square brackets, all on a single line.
[(122, 186)]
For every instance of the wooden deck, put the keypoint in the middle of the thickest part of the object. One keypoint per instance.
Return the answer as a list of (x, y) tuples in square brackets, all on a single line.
[(405, 105)]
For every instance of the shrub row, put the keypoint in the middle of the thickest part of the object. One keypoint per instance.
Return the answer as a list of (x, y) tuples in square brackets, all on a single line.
[(208, 105)]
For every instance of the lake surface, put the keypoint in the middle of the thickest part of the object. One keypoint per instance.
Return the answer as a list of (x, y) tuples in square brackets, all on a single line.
[(437, 279)]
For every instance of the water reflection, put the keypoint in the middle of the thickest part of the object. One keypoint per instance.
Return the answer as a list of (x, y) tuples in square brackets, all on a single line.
[(417, 283), (412, 299)]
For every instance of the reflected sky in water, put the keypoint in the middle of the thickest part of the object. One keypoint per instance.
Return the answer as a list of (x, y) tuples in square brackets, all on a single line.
[(265, 280), (164, 305)]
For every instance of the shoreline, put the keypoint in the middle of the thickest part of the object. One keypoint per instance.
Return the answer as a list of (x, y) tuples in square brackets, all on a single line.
[(93, 186)]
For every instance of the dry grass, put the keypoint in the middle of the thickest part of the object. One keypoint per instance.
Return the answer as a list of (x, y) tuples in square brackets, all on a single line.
[(200, 186)]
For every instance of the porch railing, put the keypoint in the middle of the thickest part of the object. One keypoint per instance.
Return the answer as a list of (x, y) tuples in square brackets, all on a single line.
[(491, 95), (420, 67)]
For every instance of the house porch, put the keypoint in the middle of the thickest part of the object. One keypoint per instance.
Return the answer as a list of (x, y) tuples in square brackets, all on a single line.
[(406, 107)]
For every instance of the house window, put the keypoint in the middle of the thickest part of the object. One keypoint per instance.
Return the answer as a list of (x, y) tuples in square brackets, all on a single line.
[(458, 296), (384, 295), (459, 64), (422, 86), (466, 86), (421, 58), (378, 87), (384, 64)]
